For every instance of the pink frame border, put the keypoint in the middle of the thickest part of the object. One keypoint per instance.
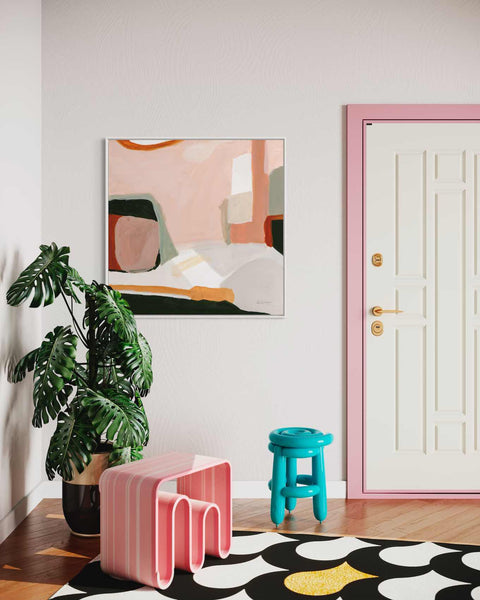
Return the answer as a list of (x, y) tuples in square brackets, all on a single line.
[(357, 116)]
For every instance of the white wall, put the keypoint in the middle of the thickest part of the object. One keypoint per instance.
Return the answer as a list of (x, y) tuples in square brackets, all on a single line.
[(21, 463), (180, 68)]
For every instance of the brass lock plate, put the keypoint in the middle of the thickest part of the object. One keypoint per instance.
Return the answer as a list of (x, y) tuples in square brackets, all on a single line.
[(377, 259), (377, 328)]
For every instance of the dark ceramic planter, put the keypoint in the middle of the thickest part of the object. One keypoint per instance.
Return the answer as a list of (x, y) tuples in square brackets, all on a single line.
[(81, 498)]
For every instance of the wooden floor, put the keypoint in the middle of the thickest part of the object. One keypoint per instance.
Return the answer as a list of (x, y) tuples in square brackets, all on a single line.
[(41, 555)]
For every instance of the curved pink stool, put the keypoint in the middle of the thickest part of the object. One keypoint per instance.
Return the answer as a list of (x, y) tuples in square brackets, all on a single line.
[(146, 532)]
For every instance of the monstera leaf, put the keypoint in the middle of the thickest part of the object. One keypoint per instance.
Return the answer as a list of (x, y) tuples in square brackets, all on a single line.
[(81, 376), (136, 358), (139, 403), (117, 380), (121, 456), (27, 363), (72, 443), (111, 377), (116, 417), (74, 282), (54, 367), (44, 277), (100, 398), (113, 312)]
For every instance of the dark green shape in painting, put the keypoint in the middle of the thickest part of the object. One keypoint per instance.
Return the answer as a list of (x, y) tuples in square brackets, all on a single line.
[(132, 207), (277, 234), (166, 305)]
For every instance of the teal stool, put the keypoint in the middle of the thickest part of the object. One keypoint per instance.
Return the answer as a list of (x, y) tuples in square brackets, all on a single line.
[(288, 444)]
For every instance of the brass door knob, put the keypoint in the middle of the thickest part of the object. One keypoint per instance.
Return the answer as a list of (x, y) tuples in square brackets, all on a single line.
[(378, 311)]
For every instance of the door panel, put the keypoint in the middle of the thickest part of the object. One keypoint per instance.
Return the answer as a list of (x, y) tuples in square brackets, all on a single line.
[(422, 215)]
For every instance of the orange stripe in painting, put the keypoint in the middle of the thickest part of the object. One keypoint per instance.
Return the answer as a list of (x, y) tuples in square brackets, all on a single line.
[(197, 292), (146, 148), (243, 233), (268, 228)]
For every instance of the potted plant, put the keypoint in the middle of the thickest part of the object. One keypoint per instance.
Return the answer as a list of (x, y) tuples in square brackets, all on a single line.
[(95, 395)]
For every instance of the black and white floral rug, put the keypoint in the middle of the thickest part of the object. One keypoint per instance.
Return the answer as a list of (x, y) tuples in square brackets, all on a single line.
[(274, 566)]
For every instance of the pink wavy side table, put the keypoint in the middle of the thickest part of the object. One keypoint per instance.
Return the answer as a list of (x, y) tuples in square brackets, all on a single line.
[(146, 532)]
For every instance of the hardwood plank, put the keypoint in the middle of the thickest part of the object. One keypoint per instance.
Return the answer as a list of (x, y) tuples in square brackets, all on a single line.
[(37, 572)]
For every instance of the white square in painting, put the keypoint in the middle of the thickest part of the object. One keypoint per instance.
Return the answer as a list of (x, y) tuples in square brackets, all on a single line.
[(240, 208)]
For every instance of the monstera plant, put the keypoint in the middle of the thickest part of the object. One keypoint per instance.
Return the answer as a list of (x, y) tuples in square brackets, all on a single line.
[(95, 394)]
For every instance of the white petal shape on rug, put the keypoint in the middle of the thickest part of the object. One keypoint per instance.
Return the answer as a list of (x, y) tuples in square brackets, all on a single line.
[(241, 595), (143, 593), (475, 593), (229, 576), (418, 555), (472, 560), (250, 544), (421, 587), (66, 589), (331, 549)]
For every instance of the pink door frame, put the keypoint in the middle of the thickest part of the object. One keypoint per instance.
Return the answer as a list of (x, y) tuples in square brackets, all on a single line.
[(357, 117)]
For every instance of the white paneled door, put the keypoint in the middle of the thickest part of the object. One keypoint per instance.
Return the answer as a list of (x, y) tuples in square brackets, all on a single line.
[(422, 257)]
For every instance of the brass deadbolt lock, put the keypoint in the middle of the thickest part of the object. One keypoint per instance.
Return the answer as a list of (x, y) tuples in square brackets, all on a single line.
[(377, 259), (377, 328)]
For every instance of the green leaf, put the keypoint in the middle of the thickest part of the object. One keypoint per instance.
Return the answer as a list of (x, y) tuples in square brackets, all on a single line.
[(44, 277), (121, 456), (112, 377), (54, 367), (139, 403), (74, 282), (72, 444), (27, 363), (136, 359), (109, 377), (116, 417), (80, 376), (112, 311)]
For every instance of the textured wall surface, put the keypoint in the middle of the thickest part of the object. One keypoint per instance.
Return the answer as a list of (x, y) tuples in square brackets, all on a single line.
[(21, 464), (241, 68)]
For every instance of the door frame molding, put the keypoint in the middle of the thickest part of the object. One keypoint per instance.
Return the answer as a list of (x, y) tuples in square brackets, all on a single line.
[(357, 117)]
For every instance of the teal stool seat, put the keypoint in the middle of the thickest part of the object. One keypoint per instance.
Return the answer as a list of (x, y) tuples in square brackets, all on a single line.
[(288, 444)]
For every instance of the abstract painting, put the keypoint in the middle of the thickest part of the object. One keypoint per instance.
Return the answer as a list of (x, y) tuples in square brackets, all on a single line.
[(196, 226)]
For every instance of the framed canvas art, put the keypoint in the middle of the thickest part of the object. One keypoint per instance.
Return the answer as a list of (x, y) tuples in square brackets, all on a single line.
[(196, 226)]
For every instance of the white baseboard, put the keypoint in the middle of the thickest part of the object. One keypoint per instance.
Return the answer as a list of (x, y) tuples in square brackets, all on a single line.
[(259, 489), (240, 489), (13, 519), (53, 489)]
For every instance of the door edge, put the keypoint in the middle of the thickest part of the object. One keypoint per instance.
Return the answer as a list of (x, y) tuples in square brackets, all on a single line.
[(357, 115)]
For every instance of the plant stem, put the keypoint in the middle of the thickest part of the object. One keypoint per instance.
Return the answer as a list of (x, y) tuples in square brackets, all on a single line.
[(78, 329), (91, 342), (80, 377)]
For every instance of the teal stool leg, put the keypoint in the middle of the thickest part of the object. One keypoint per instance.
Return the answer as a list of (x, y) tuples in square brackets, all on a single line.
[(279, 480), (291, 481), (320, 500)]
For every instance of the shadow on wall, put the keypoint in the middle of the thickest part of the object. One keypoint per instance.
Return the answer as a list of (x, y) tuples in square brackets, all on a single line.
[(17, 330)]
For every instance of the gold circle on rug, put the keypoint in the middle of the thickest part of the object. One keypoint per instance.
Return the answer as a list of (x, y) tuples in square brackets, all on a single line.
[(323, 583)]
